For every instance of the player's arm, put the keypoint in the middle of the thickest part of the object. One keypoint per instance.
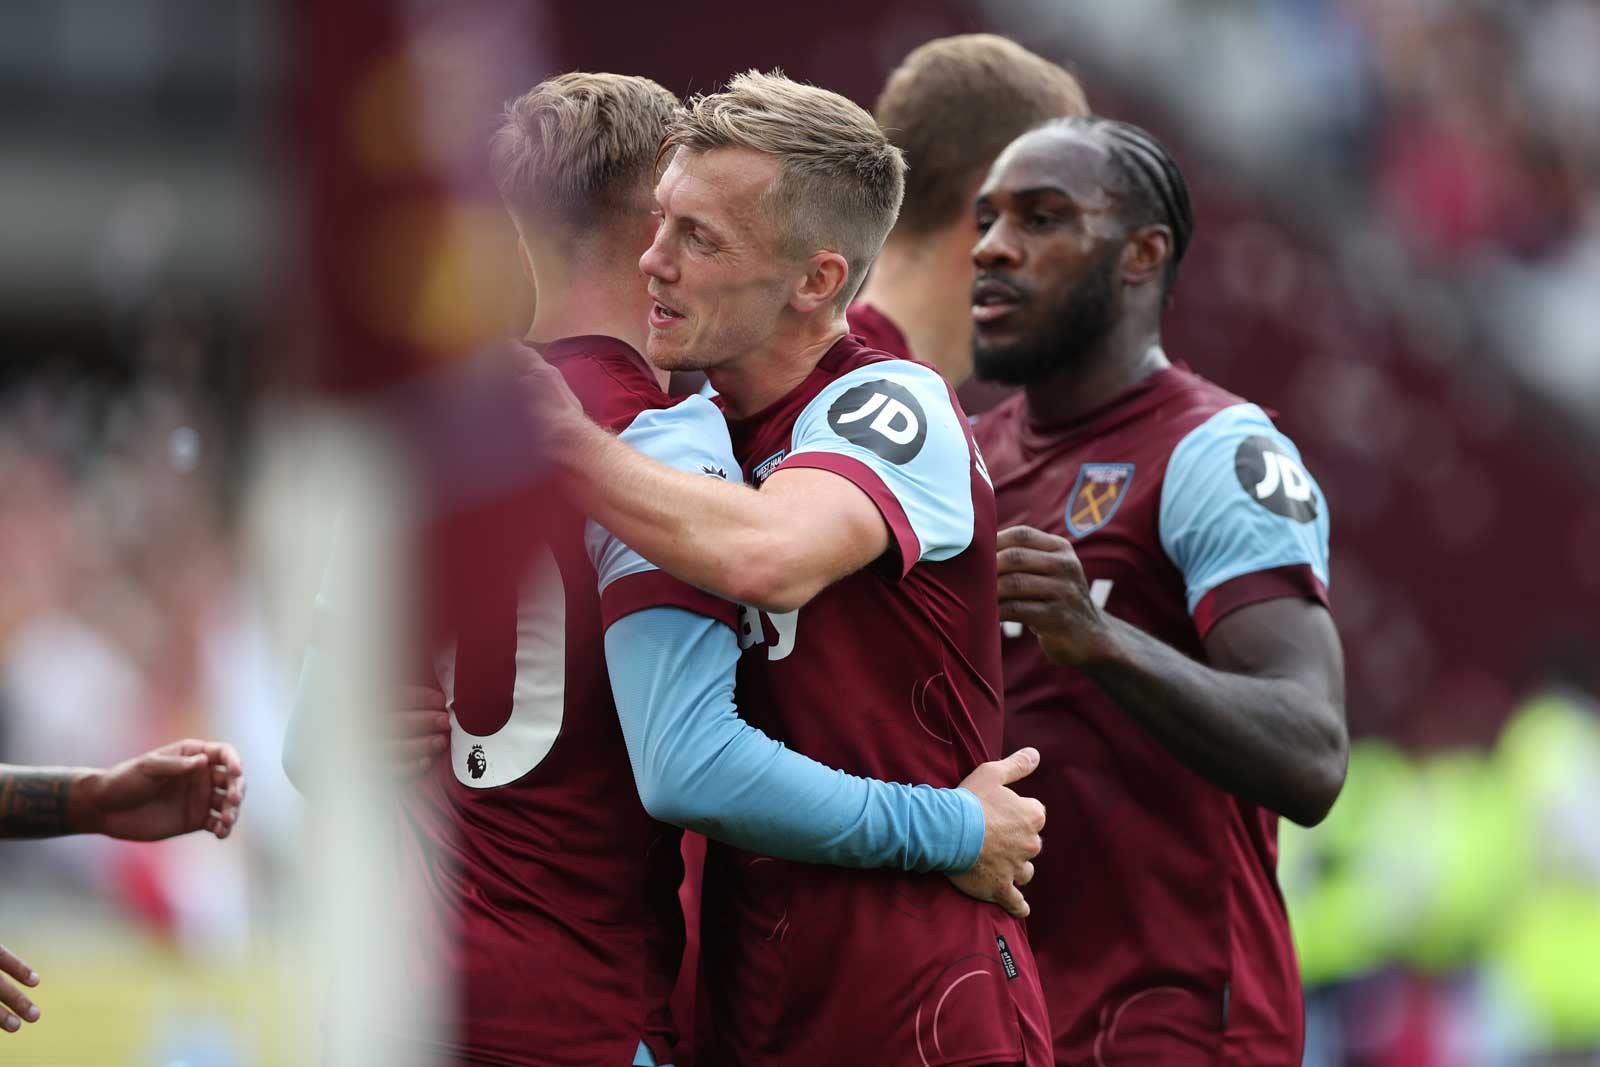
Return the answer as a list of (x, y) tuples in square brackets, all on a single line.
[(878, 458), (671, 651), (774, 549), (175, 789), (1247, 528), (1263, 718), (699, 765)]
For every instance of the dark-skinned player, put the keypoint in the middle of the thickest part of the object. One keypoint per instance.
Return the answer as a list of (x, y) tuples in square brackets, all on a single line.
[(1168, 550)]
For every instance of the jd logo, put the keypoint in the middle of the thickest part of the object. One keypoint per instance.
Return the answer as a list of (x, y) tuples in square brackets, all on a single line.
[(477, 762), (882, 416), (1274, 480), (752, 632)]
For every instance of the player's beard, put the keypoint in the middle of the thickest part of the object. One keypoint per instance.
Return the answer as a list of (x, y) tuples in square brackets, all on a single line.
[(1081, 320)]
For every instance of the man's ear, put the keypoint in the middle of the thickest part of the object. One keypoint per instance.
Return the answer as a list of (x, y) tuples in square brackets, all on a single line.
[(1145, 255), (825, 278)]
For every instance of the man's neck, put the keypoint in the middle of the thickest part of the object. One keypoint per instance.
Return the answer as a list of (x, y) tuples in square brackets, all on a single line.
[(924, 285), (594, 306), (1126, 356), (765, 376)]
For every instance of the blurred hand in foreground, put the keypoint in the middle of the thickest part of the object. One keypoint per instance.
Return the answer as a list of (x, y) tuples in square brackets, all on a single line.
[(15, 1007)]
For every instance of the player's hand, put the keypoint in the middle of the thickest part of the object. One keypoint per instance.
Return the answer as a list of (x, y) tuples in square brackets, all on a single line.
[(555, 407), (175, 789), (1042, 586), (421, 729), (15, 1007), (1011, 828)]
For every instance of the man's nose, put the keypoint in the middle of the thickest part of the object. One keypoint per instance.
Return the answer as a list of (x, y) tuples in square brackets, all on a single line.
[(996, 246)]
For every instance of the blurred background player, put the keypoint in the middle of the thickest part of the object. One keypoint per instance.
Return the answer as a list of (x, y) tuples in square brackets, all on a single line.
[(871, 643), (1186, 685), (950, 106), (548, 891), (175, 789)]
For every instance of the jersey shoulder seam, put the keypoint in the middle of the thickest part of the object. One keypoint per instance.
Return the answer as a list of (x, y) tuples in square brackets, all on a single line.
[(644, 398)]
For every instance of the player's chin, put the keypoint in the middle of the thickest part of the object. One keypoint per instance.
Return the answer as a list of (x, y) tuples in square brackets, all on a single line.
[(666, 352), (676, 353), (997, 335), (1004, 364)]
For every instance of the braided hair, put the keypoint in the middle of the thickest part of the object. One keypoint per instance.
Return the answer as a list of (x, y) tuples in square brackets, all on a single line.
[(1152, 185)]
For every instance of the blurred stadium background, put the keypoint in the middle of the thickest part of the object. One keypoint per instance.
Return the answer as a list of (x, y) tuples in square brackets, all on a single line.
[(225, 223)]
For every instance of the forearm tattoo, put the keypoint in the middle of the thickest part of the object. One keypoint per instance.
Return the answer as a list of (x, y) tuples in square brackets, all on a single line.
[(33, 802)]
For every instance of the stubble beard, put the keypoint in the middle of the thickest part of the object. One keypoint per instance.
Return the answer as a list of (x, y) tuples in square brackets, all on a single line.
[(1081, 320)]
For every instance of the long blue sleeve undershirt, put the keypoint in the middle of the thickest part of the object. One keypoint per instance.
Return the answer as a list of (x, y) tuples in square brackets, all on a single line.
[(699, 765)]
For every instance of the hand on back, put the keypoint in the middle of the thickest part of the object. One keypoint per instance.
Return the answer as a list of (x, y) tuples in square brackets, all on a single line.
[(1012, 824)]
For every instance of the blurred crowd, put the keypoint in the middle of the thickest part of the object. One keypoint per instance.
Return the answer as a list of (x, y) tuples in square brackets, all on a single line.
[(123, 623), (1447, 150), (1448, 911)]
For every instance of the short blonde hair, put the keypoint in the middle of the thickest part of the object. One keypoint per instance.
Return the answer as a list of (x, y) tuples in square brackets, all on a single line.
[(578, 145), (840, 181), (953, 105)]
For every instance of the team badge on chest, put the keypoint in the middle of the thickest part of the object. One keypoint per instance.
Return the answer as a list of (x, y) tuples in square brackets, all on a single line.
[(1096, 495)]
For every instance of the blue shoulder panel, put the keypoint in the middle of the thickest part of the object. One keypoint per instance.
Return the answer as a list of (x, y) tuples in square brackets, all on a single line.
[(1237, 499), (691, 436), (896, 418)]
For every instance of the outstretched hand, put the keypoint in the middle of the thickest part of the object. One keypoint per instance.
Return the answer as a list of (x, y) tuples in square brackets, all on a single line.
[(15, 1007), (175, 789), (1011, 827)]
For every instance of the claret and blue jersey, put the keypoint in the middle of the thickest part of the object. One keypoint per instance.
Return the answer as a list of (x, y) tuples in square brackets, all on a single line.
[(1160, 931), (552, 887), (891, 672)]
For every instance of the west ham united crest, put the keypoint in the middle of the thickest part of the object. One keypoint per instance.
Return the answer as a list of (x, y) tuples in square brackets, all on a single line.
[(1096, 495)]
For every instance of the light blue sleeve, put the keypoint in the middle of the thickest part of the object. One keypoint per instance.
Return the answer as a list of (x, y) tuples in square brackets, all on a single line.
[(896, 418), (690, 436), (699, 765), (1237, 499)]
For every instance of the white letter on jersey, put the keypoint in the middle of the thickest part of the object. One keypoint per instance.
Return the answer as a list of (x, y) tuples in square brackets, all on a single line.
[(866, 409), (538, 697), (751, 632), (1296, 485), (1099, 593)]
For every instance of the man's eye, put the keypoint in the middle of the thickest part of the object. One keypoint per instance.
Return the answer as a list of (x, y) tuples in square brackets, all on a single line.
[(984, 222), (1040, 219)]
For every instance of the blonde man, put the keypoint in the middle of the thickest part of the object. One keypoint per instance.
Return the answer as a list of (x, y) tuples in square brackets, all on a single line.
[(560, 907), (951, 106), (872, 635)]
